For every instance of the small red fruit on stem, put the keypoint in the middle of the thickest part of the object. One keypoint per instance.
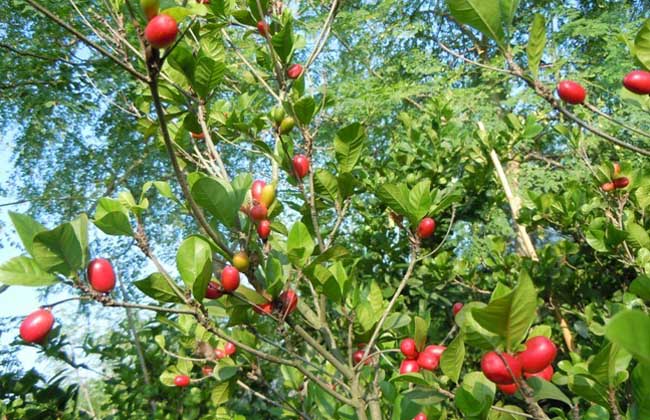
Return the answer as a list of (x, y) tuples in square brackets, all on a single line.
[(408, 348), (357, 356), (420, 416), (638, 81), (207, 370), (36, 326), (161, 31), (300, 166), (540, 352), (230, 349), (510, 389), (182, 380), (426, 228), (264, 308), (101, 275), (294, 71), (621, 182), (197, 136), (229, 279), (289, 301), (608, 187), (495, 370), (256, 189), (428, 361), (264, 229), (617, 168), (263, 28), (546, 374), (213, 291), (259, 212), (435, 349), (409, 366), (219, 354), (456, 308), (571, 92)]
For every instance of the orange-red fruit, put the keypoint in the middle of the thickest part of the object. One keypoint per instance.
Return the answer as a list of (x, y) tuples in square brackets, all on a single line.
[(508, 389), (426, 227), (617, 168), (219, 354), (213, 291), (608, 187), (294, 71), (407, 347), (638, 81), (264, 308), (456, 308), (409, 366), (495, 370), (435, 349), (264, 229), (262, 28), (101, 275), (182, 380), (540, 352), (36, 326), (229, 279), (161, 31), (230, 349), (197, 136), (300, 165), (546, 374), (256, 189), (428, 361), (207, 370), (571, 92), (289, 301), (621, 182), (420, 416), (259, 212)]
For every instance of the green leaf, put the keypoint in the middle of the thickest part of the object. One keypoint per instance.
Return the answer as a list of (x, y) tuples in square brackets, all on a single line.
[(325, 184), (396, 197), (217, 197), (640, 390), (451, 361), (631, 330), (305, 108), (608, 363), (300, 245), (241, 184), (207, 75), (474, 397), (155, 286), (641, 287), (194, 262), (508, 9), (348, 146), (283, 42), (510, 415), (420, 334), (588, 388), (396, 320), (511, 315), (23, 271), (480, 14), (58, 250), (637, 235), (80, 228), (255, 8), (181, 59), (221, 392), (642, 45), (544, 390), (112, 217), (536, 44), (420, 200), (27, 228), (475, 335), (596, 412)]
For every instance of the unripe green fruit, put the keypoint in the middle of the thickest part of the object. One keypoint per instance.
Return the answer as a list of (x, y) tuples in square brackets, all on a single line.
[(150, 8), (268, 195), (287, 125), (277, 114)]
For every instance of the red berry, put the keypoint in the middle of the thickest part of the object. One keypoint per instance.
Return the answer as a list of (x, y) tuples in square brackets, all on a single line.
[(608, 187), (161, 31), (540, 352), (456, 308), (263, 28), (203, 1), (436, 350), (207, 370), (259, 212), (638, 81), (229, 279), (426, 227), (294, 71), (197, 136), (229, 349), (300, 165), (101, 275), (36, 326), (508, 389), (289, 301), (495, 370), (546, 374), (407, 347), (420, 416), (428, 361), (213, 291), (571, 92), (621, 182), (409, 366), (357, 356), (256, 189), (182, 380), (264, 308), (264, 229), (219, 354)]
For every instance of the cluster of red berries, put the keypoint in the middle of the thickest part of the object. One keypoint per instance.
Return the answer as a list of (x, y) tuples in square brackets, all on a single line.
[(616, 183), (505, 370), (637, 81), (428, 359), (228, 350), (229, 283), (284, 305), (37, 325)]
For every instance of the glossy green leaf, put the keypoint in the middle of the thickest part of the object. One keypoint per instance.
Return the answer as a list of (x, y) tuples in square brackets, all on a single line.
[(536, 44), (642, 45), (23, 271), (544, 390), (58, 250), (452, 358), (156, 287), (300, 244), (349, 143), (207, 75), (641, 287), (283, 42), (217, 197), (27, 228), (480, 14), (194, 262), (475, 395), (112, 217), (631, 330), (305, 108), (396, 197)]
